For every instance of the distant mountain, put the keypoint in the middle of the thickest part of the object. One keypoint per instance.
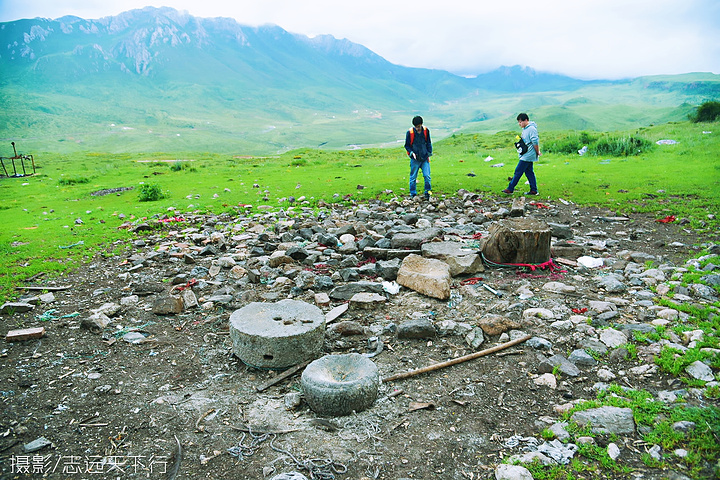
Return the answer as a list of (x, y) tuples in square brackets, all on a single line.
[(230, 86)]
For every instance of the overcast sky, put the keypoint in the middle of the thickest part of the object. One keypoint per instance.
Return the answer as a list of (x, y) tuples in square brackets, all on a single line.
[(588, 39)]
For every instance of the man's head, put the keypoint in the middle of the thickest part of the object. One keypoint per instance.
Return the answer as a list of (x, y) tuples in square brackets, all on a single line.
[(417, 121), (523, 119)]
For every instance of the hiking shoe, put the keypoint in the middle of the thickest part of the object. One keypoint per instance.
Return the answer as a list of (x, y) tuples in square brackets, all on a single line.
[(427, 196), (531, 193), (509, 192)]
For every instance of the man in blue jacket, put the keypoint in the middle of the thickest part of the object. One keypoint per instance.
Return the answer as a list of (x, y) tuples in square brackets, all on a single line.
[(419, 148), (528, 147)]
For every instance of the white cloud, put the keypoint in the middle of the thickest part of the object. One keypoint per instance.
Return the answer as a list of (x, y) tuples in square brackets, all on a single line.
[(608, 39)]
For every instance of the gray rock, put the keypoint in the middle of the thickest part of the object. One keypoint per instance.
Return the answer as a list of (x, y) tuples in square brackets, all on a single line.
[(96, 322), (561, 231), (10, 308), (512, 472), (606, 316), (36, 445), (539, 343), (323, 282), (461, 259), (414, 239), (703, 291), (613, 338), (611, 284), (417, 328), (475, 338), (607, 419), (167, 305), (346, 292), (221, 299), (367, 300), (580, 357), (563, 364), (559, 429), (700, 371), (388, 269), (642, 257), (594, 345)]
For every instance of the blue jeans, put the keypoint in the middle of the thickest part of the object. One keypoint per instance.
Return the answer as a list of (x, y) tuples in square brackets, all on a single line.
[(527, 169), (416, 165)]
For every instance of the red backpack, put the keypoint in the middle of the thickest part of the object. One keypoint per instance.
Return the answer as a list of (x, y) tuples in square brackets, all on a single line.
[(412, 134)]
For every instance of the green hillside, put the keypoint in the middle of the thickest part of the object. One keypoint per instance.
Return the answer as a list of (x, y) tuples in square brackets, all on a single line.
[(158, 80)]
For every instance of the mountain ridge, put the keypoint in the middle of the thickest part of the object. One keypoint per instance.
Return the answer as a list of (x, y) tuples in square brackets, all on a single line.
[(140, 35), (265, 88)]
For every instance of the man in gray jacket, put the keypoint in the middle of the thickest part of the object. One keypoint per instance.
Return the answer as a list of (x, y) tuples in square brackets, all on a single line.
[(528, 148)]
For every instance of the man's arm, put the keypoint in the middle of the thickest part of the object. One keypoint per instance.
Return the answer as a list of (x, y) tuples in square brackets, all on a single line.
[(429, 145)]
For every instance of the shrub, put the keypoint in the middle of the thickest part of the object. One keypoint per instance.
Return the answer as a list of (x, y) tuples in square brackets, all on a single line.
[(707, 112), (621, 146), (150, 193), (73, 180), (569, 144)]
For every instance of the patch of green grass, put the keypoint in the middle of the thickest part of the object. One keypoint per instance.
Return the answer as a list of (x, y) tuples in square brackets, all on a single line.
[(675, 361), (631, 349), (39, 213), (658, 418), (73, 181)]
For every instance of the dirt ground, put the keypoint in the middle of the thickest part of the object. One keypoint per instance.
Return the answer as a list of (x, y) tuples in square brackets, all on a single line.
[(181, 405)]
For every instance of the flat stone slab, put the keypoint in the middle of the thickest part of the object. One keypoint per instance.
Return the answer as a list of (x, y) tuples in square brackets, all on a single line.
[(277, 335)]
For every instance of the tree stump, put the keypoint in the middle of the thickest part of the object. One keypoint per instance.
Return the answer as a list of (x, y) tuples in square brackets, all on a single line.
[(518, 240)]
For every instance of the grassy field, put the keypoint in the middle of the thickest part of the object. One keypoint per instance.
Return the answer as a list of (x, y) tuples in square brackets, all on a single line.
[(55, 219)]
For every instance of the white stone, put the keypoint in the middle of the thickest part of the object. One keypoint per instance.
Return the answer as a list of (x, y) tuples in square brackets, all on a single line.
[(661, 322), (558, 287), (512, 472), (562, 325), (613, 338), (613, 451), (347, 238), (643, 369), (700, 371), (601, 307), (547, 380), (668, 314), (542, 313)]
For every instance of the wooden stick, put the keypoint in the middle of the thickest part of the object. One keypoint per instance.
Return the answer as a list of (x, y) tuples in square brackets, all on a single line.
[(49, 289), (454, 361), (283, 376), (263, 431)]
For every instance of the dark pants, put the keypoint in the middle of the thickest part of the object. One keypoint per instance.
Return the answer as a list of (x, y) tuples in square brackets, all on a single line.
[(527, 169)]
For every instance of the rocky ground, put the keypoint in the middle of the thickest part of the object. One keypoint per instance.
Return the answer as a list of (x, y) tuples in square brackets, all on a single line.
[(136, 375)]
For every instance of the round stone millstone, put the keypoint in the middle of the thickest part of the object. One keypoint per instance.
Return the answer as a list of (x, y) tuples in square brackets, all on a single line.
[(337, 385), (277, 335)]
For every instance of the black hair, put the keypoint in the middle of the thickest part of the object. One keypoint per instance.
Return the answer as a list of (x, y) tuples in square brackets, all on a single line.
[(417, 120), (523, 117)]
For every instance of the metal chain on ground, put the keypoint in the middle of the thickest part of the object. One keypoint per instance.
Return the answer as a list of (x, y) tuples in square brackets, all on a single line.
[(360, 429), (317, 468), (242, 451)]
